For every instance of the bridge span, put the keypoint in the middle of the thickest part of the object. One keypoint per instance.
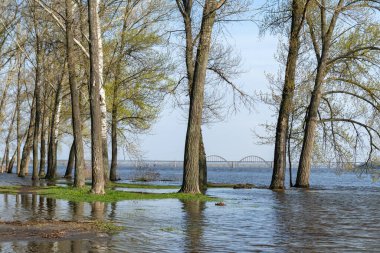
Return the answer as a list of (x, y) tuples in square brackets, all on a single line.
[(216, 161)]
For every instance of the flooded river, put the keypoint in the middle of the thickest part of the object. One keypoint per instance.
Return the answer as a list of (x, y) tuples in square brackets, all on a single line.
[(339, 214)]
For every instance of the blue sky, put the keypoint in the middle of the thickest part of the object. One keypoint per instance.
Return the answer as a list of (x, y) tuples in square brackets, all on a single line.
[(233, 138)]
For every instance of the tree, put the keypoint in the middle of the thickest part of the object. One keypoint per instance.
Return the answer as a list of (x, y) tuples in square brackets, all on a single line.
[(330, 31), (136, 72), (37, 95), (185, 8), (94, 88), (190, 183), (54, 128), (75, 105), (279, 164), (25, 158)]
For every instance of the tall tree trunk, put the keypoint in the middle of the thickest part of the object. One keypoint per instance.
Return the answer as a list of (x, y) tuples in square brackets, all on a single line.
[(103, 105), (190, 182), (113, 173), (115, 98), (186, 11), (279, 164), (70, 162), (79, 178), (37, 95), (4, 96), (43, 136), (54, 132), (303, 173), (290, 130), (202, 166), (18, 121), (25, 159), (11, 162), (7, 141), (94, 88)]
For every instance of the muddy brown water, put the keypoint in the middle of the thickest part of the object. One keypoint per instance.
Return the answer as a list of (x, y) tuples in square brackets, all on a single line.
[(339, 214)]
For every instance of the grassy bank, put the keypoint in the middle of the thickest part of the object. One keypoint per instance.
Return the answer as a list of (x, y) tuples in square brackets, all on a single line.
[(84, 195), (142, 186)]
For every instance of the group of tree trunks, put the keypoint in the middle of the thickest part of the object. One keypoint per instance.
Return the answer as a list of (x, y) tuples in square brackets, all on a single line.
[(113, 75)]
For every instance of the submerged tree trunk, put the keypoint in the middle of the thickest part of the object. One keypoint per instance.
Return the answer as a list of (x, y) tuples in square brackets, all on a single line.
[(185, 8), (115, 98), (37, 95), (70, 162), (290, 153), (94, 90), (28, 144), (113, 173), (303, 173), (79, 178), (190, 183), (279, 160)]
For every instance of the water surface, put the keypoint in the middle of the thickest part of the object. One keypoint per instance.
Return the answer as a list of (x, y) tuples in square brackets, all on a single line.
[(339, 214)]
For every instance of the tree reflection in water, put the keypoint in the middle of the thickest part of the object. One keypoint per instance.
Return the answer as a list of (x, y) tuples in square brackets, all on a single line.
[(194, 222)]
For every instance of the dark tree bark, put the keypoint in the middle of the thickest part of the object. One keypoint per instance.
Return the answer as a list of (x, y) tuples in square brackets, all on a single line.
[(279, 164), (95, 82), (70, 162), (202, 166), (185, 8), (28, 144), (79, 177), (290, 130), (190, 183), (303, 173), (113, 173), (3, 97), (37, 95), (54, 125), (43, 136), (11, 162), (106, 173), (115, 99), (18, 121), (5, 160)]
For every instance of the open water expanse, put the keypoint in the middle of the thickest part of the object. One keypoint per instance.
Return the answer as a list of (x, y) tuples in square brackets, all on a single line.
[(340, 213)]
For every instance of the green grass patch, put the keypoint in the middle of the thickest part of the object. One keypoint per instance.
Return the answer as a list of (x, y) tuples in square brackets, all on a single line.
[(128, 185), (142, 186), (217, 185), (168, 229), (107, 226), (10, 189), (84, 195)]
